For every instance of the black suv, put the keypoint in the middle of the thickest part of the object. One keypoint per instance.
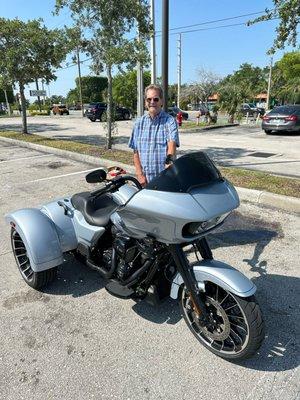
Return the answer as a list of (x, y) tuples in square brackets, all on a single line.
[(251, 110), (98, 111)]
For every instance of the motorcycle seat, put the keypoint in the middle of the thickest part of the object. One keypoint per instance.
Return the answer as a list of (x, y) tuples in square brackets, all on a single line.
[(96, 211)]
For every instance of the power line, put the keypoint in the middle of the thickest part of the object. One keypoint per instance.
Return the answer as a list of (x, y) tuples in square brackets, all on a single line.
[(217, 20), (215, 27)]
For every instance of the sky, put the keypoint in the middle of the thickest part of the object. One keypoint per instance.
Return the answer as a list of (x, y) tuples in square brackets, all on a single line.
[(218, 49)]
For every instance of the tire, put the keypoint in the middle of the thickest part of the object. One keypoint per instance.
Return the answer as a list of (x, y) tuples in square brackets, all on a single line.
[(268, 132), (93, 119), (236, 330), (103, 117), (54, 113), (36, 280)]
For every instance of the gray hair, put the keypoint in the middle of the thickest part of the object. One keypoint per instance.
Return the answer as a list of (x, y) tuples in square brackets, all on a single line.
[(155, 87)]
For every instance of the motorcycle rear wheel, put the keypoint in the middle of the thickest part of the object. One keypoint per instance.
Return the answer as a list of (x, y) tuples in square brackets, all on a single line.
[(236, 328), (36, 280)]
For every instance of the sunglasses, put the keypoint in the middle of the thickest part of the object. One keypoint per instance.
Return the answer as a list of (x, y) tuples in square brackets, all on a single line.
[(155, 99)]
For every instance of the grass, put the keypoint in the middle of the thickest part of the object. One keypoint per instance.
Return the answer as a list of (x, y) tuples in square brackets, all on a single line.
[(192, 124), (239, 177)]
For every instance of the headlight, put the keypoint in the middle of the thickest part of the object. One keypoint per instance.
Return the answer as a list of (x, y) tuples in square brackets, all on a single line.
[(196, 228)]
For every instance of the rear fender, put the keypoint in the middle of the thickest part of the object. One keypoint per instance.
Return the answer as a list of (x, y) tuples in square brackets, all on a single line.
[(39, 236), (219, 273)]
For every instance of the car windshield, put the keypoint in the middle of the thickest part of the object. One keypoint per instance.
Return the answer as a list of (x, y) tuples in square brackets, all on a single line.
[(284, 110), (187, 172)]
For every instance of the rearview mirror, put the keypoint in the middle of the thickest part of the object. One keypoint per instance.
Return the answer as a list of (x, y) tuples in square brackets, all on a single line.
[(99, 175)]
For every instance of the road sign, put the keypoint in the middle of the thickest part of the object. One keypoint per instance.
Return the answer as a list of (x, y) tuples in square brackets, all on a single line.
[(37, 92)]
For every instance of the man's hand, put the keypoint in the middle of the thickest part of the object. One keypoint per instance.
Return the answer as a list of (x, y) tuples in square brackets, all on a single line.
[(142, 179)]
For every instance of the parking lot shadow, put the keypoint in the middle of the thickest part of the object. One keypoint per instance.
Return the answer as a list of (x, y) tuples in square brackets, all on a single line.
[(75, 279), (278, 295), (96, 140), (35, 128)]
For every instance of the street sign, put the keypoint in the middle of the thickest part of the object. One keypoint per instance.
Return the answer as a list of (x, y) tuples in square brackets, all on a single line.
[(37, 92)]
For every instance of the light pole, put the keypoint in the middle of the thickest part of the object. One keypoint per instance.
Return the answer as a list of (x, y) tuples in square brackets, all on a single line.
[(152, 44), (179, 70), (165, 51)]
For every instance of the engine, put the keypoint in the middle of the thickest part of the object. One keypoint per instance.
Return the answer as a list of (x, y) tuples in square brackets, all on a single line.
[(129, 256)]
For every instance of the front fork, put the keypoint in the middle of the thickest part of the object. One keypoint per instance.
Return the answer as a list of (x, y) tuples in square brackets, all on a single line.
[(188, 276)]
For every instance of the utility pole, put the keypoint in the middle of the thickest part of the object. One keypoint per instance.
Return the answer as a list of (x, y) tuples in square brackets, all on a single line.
[(79, 82), (269, 85), (179, 69), (165, 51), (152, 44), (140, 88)]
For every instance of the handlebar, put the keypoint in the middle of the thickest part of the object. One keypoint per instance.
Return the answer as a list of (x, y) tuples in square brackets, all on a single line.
[(115, 184)]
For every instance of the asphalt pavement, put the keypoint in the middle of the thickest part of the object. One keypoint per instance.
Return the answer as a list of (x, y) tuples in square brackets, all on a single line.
[(74, 340), (240, 146)]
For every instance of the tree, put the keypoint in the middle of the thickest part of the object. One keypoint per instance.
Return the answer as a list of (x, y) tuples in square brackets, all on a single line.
[(286, 78), (251, 80), (124, 89), (92, 88), (29, 51), (107, 23), (203, 88), (73, 97), (207, 84), (288, 12), (290, 65), (231, 96), (6, 93)]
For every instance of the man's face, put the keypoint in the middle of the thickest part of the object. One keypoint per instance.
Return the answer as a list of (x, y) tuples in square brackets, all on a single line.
[(153, 102)]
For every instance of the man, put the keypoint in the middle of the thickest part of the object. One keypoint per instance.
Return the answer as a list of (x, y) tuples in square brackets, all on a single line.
[(154, 138)]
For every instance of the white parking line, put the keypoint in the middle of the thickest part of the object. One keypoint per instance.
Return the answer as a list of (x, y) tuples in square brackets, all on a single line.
[(62, 176), (25, 158)]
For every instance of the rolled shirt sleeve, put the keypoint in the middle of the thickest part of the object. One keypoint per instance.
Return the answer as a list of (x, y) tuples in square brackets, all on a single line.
[(172, 131)]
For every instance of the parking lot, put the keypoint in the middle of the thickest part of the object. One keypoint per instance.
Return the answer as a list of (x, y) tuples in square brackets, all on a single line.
[(75, 341), (241, 146)]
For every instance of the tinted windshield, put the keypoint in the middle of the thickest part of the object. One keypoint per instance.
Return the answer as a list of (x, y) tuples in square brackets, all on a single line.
[(189, 171)]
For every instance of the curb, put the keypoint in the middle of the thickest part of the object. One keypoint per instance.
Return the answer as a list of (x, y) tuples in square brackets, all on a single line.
[(285, 203), (100, 162), (206, 128)]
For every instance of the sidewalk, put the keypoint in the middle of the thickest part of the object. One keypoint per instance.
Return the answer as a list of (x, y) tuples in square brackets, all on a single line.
[(285, 203)]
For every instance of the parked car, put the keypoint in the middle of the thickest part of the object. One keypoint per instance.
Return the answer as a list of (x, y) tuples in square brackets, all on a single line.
[(175, 110), (251, 110), (60, 109), (282, 118), (99, 111)]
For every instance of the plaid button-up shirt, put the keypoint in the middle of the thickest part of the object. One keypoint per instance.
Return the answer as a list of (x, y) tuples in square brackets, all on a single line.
[(150, 137)]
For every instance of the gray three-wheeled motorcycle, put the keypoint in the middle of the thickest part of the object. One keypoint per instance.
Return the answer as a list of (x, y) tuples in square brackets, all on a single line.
[(140, 241)]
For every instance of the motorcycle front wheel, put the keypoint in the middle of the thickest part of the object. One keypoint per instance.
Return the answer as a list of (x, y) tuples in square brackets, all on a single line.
[(235, 330)]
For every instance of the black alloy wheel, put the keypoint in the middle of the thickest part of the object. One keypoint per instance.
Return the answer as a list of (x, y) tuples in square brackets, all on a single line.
[(36, 280), (235, 330)]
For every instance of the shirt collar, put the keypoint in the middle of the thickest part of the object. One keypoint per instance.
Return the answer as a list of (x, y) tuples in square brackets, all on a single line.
[(156, 118)]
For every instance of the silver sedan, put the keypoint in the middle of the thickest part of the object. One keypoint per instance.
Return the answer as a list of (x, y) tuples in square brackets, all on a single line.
[(282, 118)]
